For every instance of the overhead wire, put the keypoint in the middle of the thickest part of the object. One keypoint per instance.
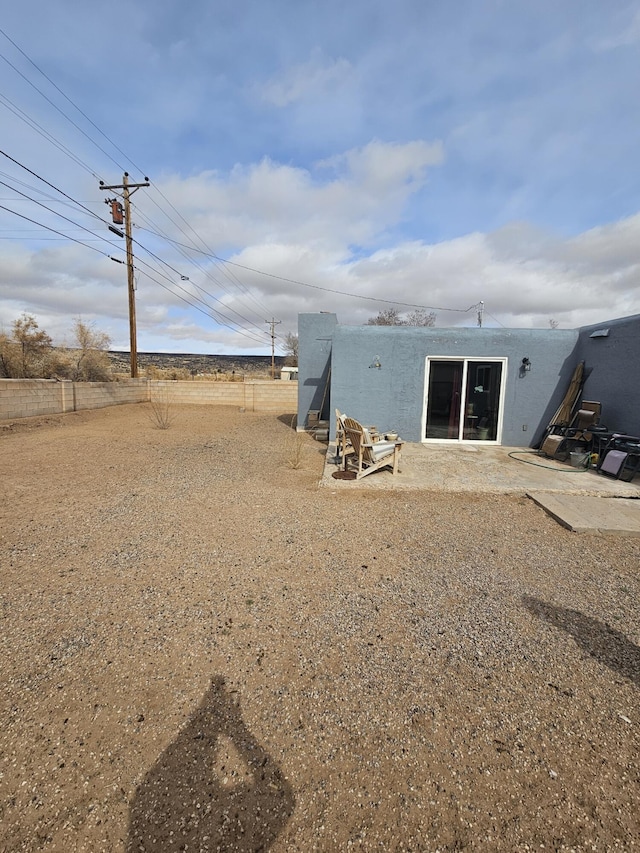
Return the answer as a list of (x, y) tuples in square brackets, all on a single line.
[(93, 124), (48, 228), (55, 106), (34, 125), (210, 253), (49, 137), (231, 324), (201, 310), (182, 248), (49, 184), (73, 104), (56, 213), (205, 272), (222, 316), (495, 319), (332, 290), (192, 248)]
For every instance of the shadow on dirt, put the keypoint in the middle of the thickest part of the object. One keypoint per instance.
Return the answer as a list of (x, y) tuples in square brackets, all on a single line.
[(289, 420), (601, 641), (213, 788)]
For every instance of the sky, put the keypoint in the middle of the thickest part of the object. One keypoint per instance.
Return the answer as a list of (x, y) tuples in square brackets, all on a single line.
[(477, 157)]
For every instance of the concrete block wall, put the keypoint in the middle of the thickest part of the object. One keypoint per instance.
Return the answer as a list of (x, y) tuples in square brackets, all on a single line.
[(253, 395), (24, 398), (98, 395)]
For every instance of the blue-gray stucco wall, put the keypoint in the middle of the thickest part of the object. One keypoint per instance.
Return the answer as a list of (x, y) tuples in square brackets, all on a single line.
[(612, 367), (393, 395), (315, 335)]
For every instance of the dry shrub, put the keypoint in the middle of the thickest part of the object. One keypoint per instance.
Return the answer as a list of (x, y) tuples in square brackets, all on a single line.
[(162, 408), (295, 446)]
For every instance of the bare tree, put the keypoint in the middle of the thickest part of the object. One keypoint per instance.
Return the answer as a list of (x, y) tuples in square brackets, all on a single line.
[(8, 357), (388, 317), (421, 317), (28, 353), (392, 317), (33, 345), (90, 356), (290, 346)]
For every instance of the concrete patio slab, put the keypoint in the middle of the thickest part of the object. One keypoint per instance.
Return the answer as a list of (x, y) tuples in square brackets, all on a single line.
[(588, 514), (482, 468)]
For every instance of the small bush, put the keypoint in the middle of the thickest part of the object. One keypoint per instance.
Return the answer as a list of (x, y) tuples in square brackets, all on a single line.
[(295, 446), (162, 411)]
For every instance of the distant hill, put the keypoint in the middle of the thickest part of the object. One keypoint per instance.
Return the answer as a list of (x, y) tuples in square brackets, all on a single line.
[(195, 363)]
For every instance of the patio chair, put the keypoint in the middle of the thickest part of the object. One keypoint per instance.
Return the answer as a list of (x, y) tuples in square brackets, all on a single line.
[(343, 443), (621, 457), (561, 440), (369, 455)]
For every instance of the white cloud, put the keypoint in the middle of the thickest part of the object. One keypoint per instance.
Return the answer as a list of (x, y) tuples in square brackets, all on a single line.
[(318, 77), (348, 199), (384, 167), (330, 114), (627, 35), (292, 224)]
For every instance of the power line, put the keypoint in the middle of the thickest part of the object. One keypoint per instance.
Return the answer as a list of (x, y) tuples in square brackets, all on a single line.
[(55, 106), (90, 139), (198, 308), (52, 139), (46, 135), (326, 289), (53, 230), (211, 313), (49, 184), (152, 254), (55, 212), (67, 98), (182, 247), (183, 277), (209, 253)]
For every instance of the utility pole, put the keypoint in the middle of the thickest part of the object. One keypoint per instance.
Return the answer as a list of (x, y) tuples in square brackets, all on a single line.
[(273, 323), (480, 314), (117, 213)]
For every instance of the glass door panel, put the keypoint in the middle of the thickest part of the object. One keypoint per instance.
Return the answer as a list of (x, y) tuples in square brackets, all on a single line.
[(482, 400), (463, 400), (444, 399)]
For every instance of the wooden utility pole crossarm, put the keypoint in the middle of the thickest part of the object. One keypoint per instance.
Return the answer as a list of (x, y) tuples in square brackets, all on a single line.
[(127, 191)]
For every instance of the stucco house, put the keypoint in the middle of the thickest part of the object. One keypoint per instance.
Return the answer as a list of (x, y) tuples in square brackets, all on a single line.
[(465, 384)]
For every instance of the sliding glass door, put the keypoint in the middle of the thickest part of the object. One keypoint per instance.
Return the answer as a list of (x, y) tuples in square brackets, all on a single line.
[(464, 398)]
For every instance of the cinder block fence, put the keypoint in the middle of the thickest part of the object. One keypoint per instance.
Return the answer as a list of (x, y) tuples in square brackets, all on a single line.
[(25, 398)]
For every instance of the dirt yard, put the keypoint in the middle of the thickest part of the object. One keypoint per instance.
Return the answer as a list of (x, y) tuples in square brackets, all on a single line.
[(202, 650)]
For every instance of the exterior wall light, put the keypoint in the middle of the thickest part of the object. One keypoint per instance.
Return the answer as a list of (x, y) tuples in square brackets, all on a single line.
[(376, 363), (526, 364)]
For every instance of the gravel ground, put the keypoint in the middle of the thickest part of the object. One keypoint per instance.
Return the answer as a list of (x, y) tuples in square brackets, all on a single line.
[(202, 650)]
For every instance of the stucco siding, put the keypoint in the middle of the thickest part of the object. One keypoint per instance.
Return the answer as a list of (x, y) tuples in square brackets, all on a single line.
[(315, 335), (392, 396), (612, 365)]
